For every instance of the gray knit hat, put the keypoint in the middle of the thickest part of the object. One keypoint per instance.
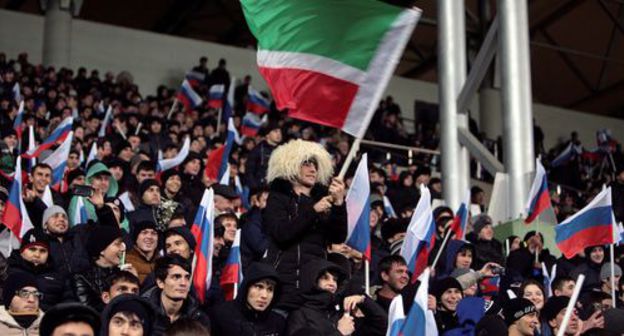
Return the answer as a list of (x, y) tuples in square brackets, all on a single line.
[(466, 277), (51, 211), (605, 271)]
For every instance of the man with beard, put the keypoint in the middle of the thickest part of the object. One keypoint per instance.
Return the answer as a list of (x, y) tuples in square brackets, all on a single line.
[(143, 254)]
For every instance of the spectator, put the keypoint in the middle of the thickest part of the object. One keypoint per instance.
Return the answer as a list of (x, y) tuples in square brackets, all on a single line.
[(33, 258), (20, 314), (186, 327), (127, 314), (448, 292), (120, 282), (66, 251), (70, 319), (171, 297), (300, 218), (105, 248), (487, 248), (258, 158), (251, 313), (394, 277), (594, 258), (143, 254), (357, 314), (180, 241), (254, 241), (552, 316), (521, 317), (534, 292), (563, 286)]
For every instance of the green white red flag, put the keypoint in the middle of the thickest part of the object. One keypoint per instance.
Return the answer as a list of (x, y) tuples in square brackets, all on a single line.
[(329, 61)]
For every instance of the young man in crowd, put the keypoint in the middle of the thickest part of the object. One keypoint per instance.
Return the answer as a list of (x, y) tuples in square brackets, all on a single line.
[(171, 297), (251, 312), (70, 319), (120, 282), (20, 314), (143, 254), (394, 277), (521, 317), (127, 315)]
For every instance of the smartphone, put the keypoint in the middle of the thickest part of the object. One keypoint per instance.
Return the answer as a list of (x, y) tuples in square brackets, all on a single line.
[(82, 190)]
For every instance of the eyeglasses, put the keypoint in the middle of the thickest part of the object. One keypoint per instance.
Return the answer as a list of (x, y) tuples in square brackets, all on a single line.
[(24, 294)]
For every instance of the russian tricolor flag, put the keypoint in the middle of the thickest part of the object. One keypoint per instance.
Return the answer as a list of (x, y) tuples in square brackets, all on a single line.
[(15, 216), (256, 103), (165, 164), (203, 231), (358, 210), (252, 123), (232, 273), (420, 236), (58, 161), (59, 135), (188, 97), (593, 225), (566, 155), (461, 218), (420, 320), (396, 316), (217, 164), (539, 198), (195, 78), (215, 96)]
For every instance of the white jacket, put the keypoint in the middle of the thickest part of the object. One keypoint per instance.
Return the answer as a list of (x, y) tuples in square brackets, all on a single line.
[(9, 327)]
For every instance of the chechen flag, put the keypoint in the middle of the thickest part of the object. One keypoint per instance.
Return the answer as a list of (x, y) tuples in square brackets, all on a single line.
[(203, 231), (59, 135), (358, 210), (420, 236), (58, 161), (539, 199), (232, 273), (592, 225), (15, 216), (329, 61)]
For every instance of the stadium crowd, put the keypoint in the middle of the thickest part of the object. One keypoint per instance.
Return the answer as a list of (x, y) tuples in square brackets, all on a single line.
[(122, 262)]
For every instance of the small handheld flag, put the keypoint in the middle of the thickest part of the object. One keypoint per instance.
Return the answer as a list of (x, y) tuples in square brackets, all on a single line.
[(232, 273), (358, 210), (420, 236), (539, 198), (203, 231)]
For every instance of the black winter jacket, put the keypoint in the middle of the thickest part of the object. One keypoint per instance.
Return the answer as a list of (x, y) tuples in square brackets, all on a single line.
[(190, 310), (87, 286), (49, 282), (322, 310), (236, 318), (297, 234), (257, 164)]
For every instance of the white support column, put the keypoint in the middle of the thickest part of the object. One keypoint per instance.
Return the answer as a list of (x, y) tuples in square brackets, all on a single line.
[(517, 100), (448, 70), (459, 39)]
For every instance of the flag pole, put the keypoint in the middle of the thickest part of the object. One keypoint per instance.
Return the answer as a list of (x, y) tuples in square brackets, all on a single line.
[(446, 238), (173, 108), (611, 252), (219, 121), (235, 290), (138, 129), (367, 277), (345, 166), (571, 305)]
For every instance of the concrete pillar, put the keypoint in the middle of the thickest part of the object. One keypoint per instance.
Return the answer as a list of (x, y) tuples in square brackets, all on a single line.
[(57, 31), (517, 100)]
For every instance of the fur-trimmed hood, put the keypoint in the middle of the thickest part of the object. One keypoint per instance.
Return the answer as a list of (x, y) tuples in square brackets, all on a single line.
[(286, 161)]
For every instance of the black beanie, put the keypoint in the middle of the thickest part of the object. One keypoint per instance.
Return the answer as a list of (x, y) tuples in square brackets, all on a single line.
[(134, 304), (74, 174), (516, 308), (14, 282), (146, 185), (100, 237), (185, 233), (140, 226), (167, 174), (441, 286), (553, 307), (392, 226)]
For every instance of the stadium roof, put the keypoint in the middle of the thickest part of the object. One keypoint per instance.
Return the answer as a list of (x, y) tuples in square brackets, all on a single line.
[(577, 46)]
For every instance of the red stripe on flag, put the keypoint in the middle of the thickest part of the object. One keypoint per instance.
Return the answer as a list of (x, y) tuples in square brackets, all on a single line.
[(594, 235), (543, 202), (311, 96)]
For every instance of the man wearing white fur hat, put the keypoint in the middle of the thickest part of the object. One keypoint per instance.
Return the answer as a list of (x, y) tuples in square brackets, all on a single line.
[(305, 211)]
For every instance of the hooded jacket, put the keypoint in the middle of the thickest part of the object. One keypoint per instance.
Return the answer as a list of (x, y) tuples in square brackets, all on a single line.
[(49, 282), (298, 234), (10, 327), (321, 309), (238, 318), (450, 256), (591, 270)]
